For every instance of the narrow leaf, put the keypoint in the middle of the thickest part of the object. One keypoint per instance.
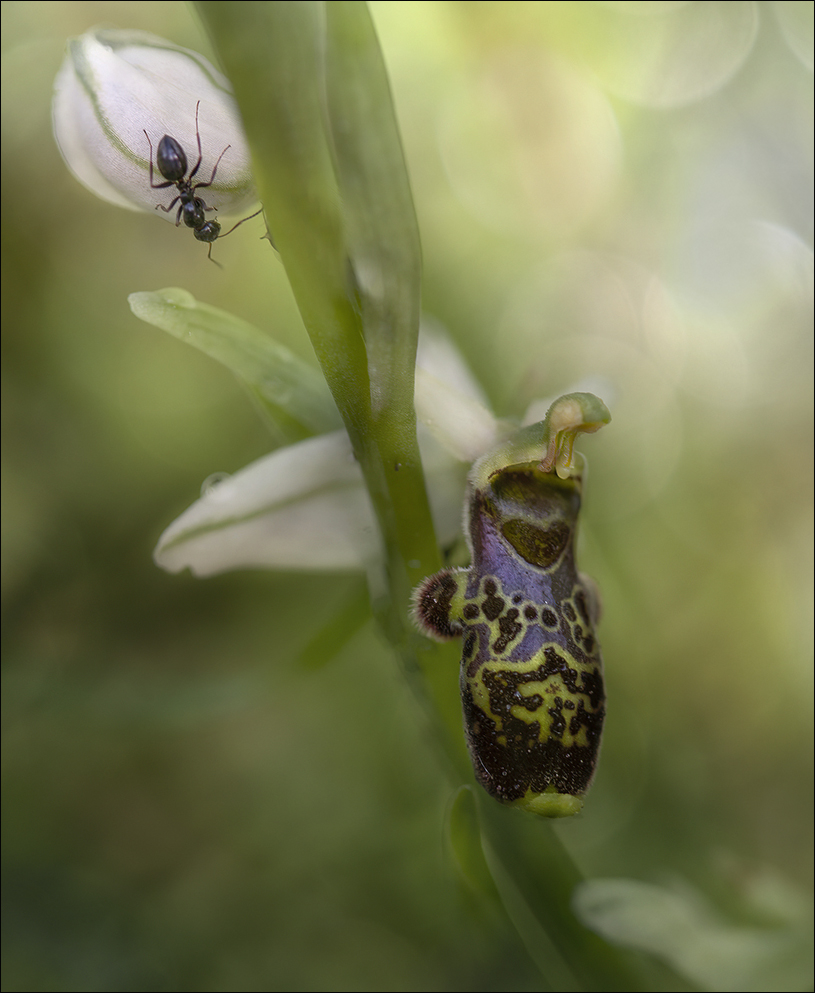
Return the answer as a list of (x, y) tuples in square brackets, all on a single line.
[(292, 393), (377, 207)]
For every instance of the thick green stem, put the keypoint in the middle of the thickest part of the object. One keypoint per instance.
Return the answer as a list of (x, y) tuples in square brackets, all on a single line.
[(328, 162)]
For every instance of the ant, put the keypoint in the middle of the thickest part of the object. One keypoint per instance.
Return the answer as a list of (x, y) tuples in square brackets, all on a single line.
[(171, 161)]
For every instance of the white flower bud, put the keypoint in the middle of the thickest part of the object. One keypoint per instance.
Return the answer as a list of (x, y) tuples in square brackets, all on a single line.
[(116, 85)]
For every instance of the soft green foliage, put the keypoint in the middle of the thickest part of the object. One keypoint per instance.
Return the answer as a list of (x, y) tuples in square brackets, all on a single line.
[(677, 925), (226, 784)]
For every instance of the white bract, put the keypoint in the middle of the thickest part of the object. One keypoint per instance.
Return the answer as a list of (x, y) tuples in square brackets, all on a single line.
[(115, 85)]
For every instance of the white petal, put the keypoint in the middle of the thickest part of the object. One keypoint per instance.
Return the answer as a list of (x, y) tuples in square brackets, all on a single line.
[(449, 401), (465, 427), (438, 355), (115, 85), (446, 479), (302, 507)]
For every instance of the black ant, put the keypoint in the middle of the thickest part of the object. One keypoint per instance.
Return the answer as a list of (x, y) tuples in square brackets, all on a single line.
[(171, 161)]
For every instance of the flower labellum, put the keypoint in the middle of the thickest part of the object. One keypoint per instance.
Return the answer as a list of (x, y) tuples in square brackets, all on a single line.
[(116, 85), (531, 672)]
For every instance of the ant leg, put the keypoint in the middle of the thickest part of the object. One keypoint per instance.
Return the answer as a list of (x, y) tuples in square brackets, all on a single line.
[(150, 143), (209, 255), (249, 218), (156, 186), (198, 139), (172, 202), (212, 177)]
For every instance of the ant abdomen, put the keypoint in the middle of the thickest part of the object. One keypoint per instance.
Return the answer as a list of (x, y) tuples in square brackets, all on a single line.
[(211, 230), (171, 158)]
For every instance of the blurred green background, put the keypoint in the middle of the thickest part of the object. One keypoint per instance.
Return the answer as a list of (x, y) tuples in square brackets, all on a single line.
[(616, 196)]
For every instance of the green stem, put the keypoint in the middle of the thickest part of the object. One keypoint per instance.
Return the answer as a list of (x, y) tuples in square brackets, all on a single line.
[(331, 176)]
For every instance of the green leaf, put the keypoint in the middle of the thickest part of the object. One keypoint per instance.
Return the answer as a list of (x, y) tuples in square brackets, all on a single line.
[(377, 207), (464, 834), (536, 878), (274, 55), (291, 393)]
